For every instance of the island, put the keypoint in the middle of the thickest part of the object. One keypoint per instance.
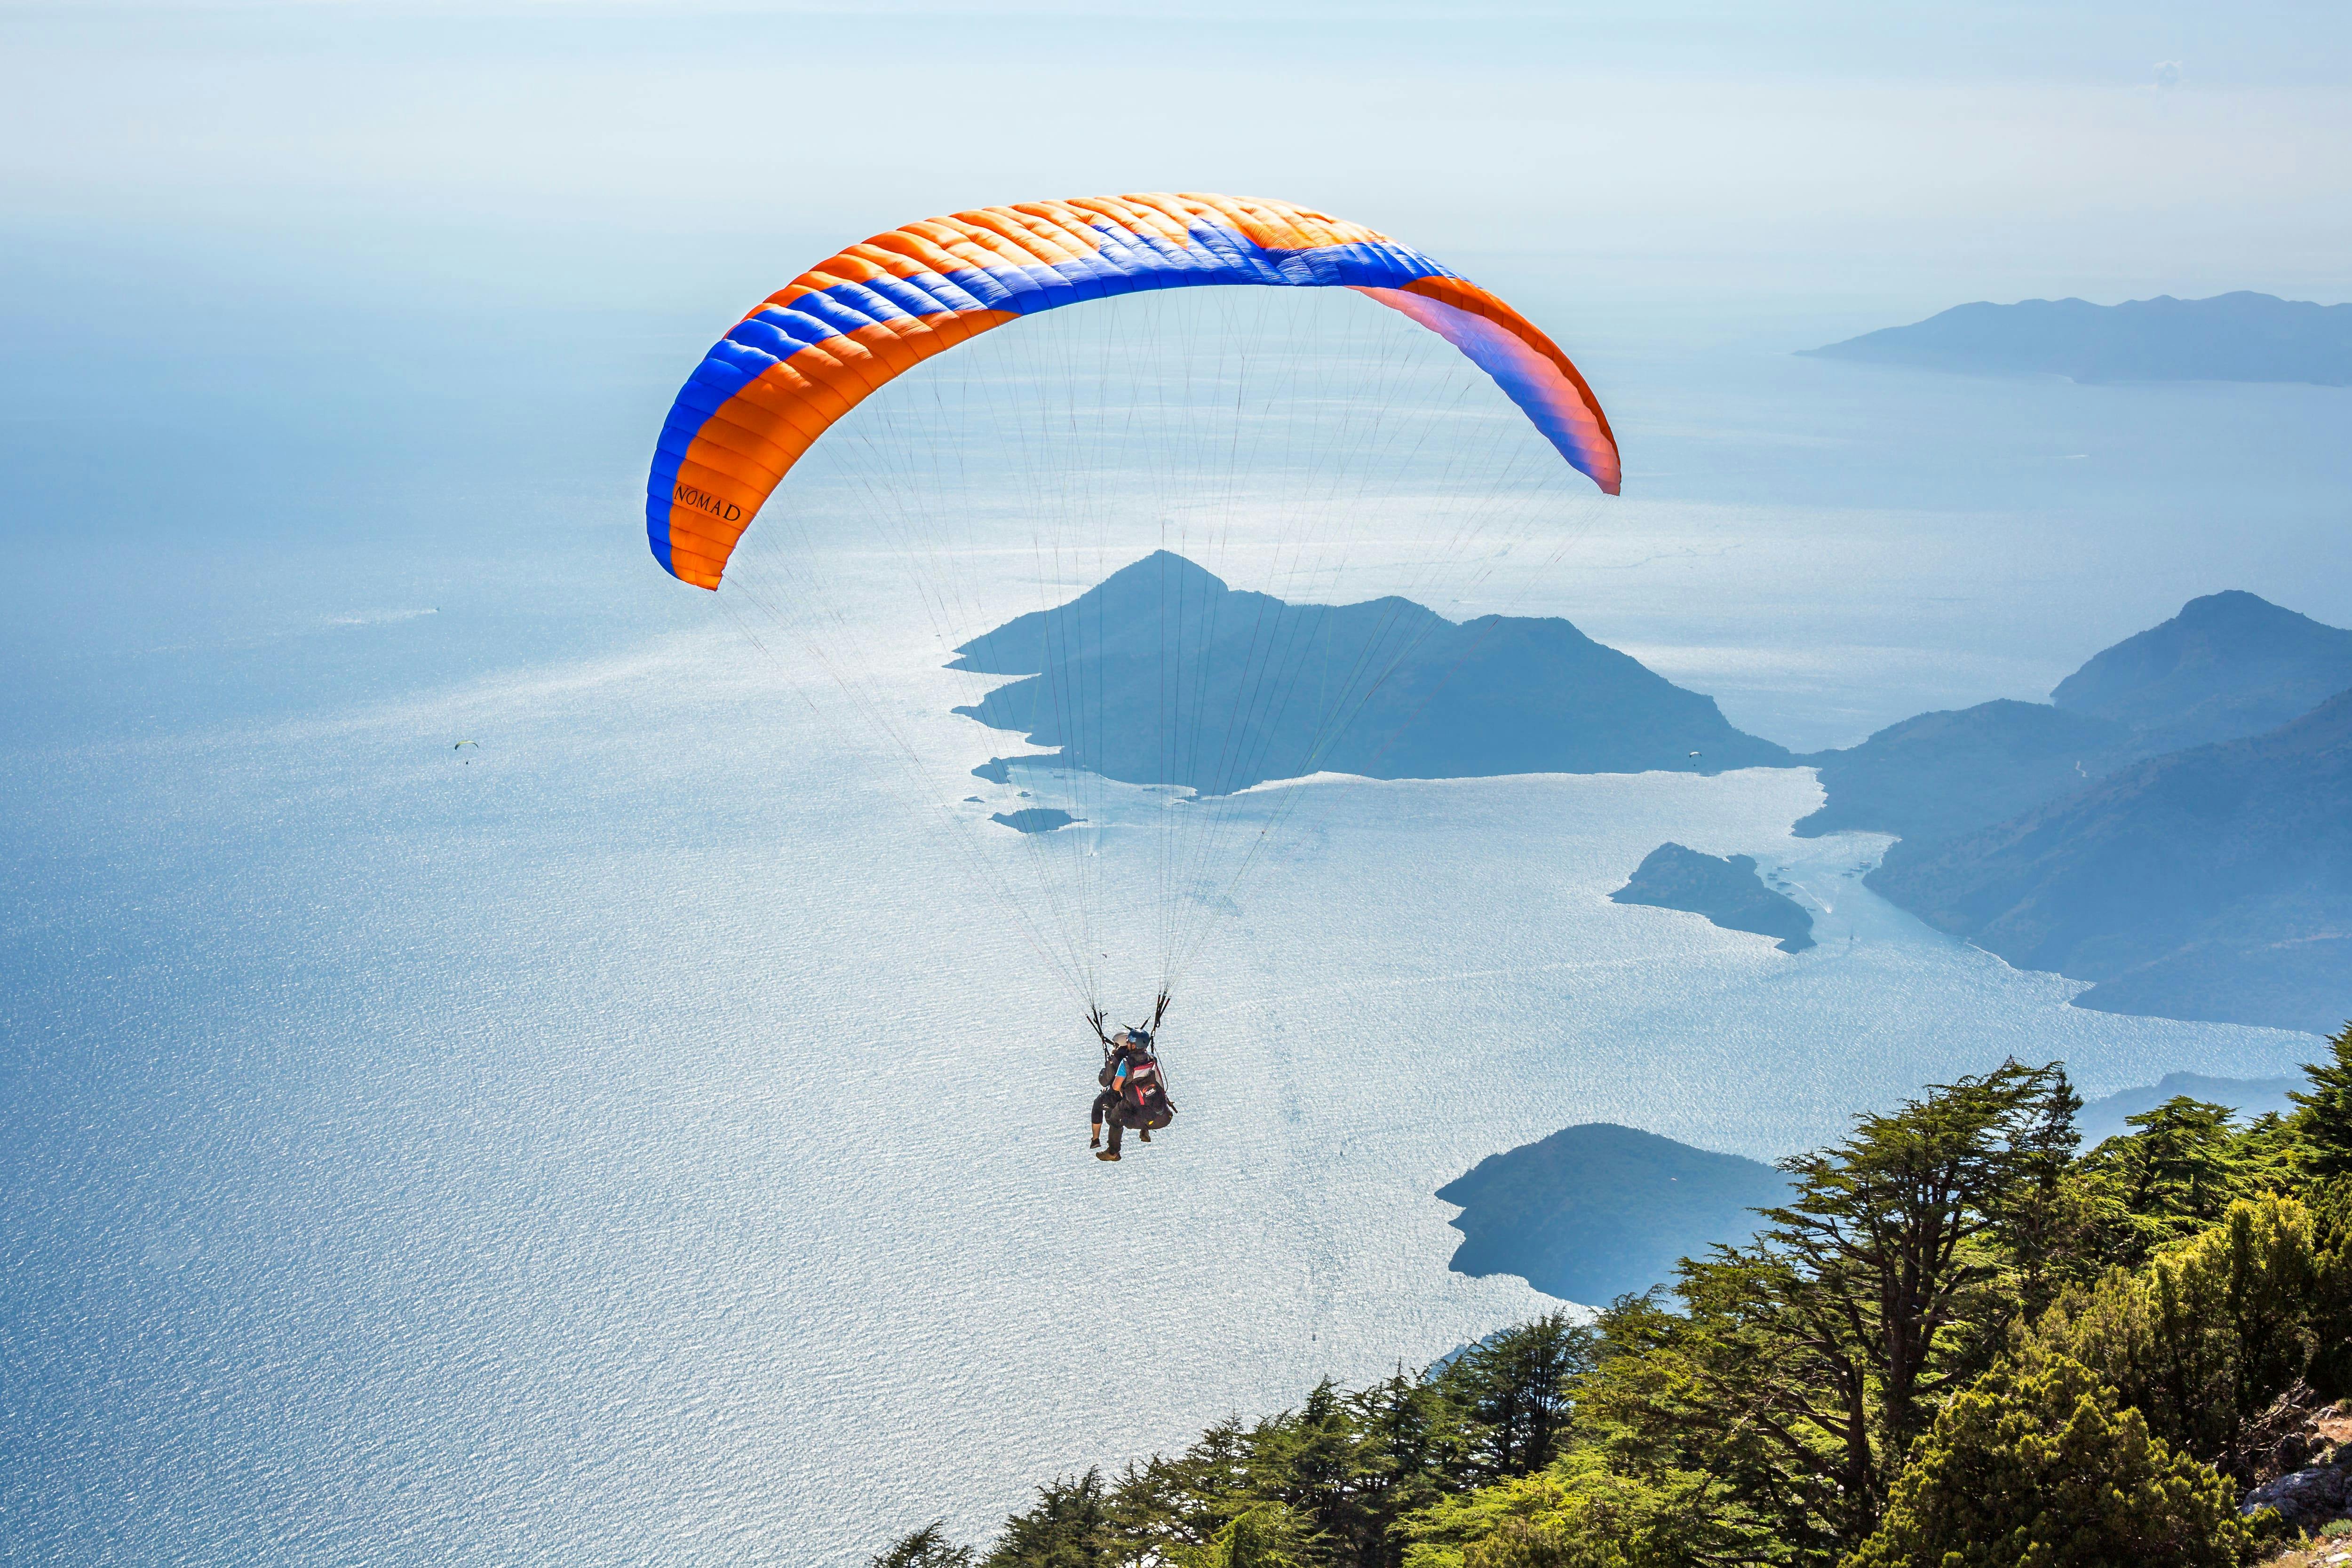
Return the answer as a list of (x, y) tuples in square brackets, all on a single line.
[(1598, 1211), (1267, 689), (1724, 888), (2241, 336), (1036, 818)]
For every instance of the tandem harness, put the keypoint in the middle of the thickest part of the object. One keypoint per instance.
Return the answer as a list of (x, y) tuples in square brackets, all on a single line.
[(1135, 1080)]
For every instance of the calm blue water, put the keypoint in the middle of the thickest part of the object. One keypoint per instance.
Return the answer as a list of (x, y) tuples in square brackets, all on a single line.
[(417, 1156)]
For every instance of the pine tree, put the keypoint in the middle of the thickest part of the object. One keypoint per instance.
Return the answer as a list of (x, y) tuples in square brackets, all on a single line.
[(2324, 1121), (2205, 1336), (2178, 1173), (1887, 1264), (1511, 1391), (2043, 1223), (1575, 1514), (1266, 1536), (2043, 1469), (1065, 1530), (926, 1548)]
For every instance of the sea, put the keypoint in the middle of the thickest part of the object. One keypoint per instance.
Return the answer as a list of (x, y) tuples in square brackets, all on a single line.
[(497, 1071)]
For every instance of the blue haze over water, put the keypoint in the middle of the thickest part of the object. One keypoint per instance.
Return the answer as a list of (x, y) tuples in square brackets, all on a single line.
[(418, 1156)]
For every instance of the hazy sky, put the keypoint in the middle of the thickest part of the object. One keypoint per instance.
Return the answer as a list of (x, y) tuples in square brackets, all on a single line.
[(1894, 158)]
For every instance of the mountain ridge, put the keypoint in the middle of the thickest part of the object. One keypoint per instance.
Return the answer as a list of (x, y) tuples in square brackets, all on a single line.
[(2014, 818), (2226, 667), (2238, 336), (1277, 690), (2213, 883), (2230, 665)]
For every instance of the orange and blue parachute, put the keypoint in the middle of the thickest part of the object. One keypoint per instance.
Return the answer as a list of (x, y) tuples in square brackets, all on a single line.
[(812, 352)]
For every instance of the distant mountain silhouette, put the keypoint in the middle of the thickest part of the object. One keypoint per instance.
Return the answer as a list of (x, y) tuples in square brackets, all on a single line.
[(1594, 1212), (2228, 666), (1258, 689), (2242, 336), (2214, 882), (1725, 889)]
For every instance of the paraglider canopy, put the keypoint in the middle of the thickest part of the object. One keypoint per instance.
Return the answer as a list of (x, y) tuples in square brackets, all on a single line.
[(817, 347)]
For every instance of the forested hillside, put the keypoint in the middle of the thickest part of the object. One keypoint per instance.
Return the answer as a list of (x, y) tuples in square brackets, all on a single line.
[(1962, 1341)]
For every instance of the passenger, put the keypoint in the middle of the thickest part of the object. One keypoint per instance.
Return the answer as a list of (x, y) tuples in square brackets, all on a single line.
[(1117, 1061), (1134, 1093)]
